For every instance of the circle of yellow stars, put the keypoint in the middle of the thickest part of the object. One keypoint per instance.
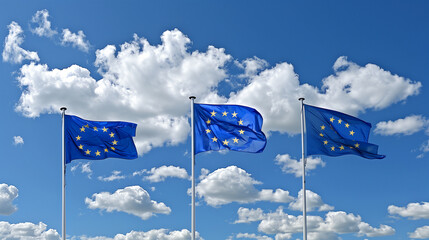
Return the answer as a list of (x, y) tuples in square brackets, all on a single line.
[(225, 114), (95, 129), (346, 125)]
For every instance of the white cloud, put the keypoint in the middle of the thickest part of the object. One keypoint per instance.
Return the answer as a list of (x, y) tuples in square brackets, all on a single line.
[(145, 84), (26, 231), (161, 173), (252, 236), (412, 210), (246, 215), (406, 126), (158, 234), (290, 165), (313, 202), (84, 168), (12, 51), (274, 92), (132, 200), (43, 24), (420, 233), (18, 140), (115, 176), (233, 184), (284, 225), (76, 40), (150, 85), (8, 193)]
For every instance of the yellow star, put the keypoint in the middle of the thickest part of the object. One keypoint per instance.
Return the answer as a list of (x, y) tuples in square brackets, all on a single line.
[(225, 142), (357, 145), (321, 134), (340, 121), (87, 152), (208, 121), (105, 129), (208, 130), (234, 114), (112, 148), (95, 129), (225, 113), (115, 142), (235, 140), (347, 125), (213, 113), (106, 150), (332, 148), (241, 131), (342, 147), (214, 139), (325, 142), (332, 119), (87, 126), (82, 129), (322, 127), (97, 153), (351, 132), (240, 122), (78, 138), (112, 134), (81, 146)]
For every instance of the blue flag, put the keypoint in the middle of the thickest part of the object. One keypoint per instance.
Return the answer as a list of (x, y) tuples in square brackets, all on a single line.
[(230, 127), (96, 140), (334, 134)]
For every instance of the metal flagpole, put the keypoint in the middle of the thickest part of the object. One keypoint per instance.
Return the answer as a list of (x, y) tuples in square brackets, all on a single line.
[(63, 110), (193, 166), (304, 206)]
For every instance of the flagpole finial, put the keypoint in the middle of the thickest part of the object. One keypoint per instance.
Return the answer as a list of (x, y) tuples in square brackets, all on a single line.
[(192, 97), (301, 99), (63, 108)]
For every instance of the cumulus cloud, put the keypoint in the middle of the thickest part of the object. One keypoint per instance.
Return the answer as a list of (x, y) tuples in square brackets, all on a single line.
[(27, 230), (420, 233), (115, 176), (18, 140), (412, 210), (13, 52), (8, 193), (290, 165), (313, 202), (76, 40), (158, 234), (41, 24), (233, 184), (163, 172), (150, 85), (334, 223), (406, 126), (132, 200)]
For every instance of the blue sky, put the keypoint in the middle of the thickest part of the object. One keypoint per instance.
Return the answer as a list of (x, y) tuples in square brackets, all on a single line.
[(139, 61)]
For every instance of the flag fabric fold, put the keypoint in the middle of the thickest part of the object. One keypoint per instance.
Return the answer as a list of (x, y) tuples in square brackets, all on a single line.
[(97, 140), (233, 127), (334, 133)]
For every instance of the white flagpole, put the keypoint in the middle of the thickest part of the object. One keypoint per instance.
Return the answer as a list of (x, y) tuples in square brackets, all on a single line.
[(304, 207), (193, 166), (63, 232)]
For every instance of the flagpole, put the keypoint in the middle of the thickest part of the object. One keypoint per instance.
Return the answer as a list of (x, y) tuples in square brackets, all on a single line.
[(193, 167), (304, 206), (63, 232)]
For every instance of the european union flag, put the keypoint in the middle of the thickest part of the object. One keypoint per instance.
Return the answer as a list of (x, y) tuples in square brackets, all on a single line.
[(334, 133), (230, 127), (96, 140)]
